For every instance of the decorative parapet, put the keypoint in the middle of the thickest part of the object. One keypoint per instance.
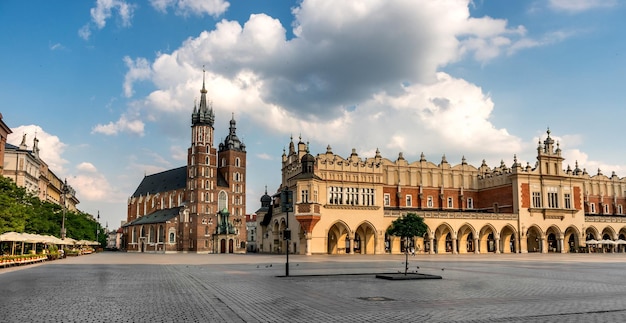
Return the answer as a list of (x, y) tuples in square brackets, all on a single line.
[(351, 207), (454, 215), (307, 208), (605, 219)]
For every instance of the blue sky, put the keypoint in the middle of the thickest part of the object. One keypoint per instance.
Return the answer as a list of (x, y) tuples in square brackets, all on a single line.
[(109, 86)]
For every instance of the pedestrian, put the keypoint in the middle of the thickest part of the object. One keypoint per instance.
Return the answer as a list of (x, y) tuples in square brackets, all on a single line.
[(413, 251)]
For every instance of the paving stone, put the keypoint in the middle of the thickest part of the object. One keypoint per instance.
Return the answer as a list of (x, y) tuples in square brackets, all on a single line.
[(123, 287)]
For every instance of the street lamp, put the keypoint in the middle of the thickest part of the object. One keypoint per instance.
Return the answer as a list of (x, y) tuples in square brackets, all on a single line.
[(64, 191)]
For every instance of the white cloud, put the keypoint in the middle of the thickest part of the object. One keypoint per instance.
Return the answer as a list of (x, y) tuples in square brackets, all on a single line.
[(138, 69), (50, 146), (122, 125), (91, 185), (198, 7), (575, 6), (103, 11), (57, 46), (365, 72), (264, 156)]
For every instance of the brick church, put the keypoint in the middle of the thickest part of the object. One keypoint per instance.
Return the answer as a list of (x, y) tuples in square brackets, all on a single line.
[(196, 208)]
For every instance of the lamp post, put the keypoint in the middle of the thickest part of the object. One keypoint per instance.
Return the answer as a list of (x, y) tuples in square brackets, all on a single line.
[(64, 192), (286, 201), (97, 228)]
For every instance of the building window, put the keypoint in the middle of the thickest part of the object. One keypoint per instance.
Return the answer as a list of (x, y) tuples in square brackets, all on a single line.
[(470, 203), (536, 199), (304, 196), (222, 200), (237, 162), (606, 209), (592, 208), (387, 200), (172, 238), (223, 162), (409, 201), (450, 203), (619, 209), (553, 197), (429, 201), (568, 200)]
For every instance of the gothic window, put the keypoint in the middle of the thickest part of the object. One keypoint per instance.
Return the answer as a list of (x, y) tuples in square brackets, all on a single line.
[(237, 162), (160, 234), (222, 201), (206, 160), (133, 237), (223, 162)]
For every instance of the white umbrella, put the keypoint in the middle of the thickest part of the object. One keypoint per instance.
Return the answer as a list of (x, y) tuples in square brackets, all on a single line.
[(592, 242), (605, 241), (12, 236), (620, 241)]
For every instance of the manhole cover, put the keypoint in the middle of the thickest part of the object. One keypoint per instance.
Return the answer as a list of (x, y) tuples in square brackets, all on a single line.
[(376, 298)]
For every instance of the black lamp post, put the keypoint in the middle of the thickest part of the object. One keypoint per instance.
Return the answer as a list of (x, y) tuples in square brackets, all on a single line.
[(64, 193), (97, 227)]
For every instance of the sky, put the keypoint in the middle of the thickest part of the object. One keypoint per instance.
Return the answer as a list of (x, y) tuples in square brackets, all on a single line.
[(108, 86)]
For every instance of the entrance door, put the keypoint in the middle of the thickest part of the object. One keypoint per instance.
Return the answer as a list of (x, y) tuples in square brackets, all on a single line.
[(223, 246), (230, 246)]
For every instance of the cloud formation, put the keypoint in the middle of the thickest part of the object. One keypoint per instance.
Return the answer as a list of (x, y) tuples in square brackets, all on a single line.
[(367, 72), (575, 6), (103, 11), (197, 7)]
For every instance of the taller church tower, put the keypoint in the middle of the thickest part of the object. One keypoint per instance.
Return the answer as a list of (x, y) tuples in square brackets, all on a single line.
[(215, 185)]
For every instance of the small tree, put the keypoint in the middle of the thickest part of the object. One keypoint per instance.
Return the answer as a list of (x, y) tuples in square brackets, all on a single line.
[(407, 227)]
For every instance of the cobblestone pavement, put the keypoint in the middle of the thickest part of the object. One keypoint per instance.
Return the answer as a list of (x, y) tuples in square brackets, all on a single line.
[(125, 287)]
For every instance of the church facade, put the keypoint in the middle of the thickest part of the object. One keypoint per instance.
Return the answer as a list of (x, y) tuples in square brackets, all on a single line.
[(199, 207), (345, 205)]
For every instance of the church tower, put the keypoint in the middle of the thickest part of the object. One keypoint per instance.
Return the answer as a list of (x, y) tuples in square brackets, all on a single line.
[(232, 166), (201, 177)]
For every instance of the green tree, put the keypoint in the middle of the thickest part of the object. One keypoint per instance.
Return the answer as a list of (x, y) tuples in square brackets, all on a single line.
[(407, 227)]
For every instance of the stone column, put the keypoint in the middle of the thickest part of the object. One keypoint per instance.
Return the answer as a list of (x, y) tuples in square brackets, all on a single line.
[(308, 243), (454, 246), (497, 245), (351, 245), (562, 250), (476, 251), (543, 244), (432, 246)]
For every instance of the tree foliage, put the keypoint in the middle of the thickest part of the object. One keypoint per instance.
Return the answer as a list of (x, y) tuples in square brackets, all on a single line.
[(408, 226), (23, 212)]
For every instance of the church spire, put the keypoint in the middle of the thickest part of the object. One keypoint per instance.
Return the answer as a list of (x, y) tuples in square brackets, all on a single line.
[(204, 114)]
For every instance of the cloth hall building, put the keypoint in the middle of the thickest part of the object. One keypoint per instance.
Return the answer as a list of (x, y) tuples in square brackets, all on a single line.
[(345, 205), (199, 207)]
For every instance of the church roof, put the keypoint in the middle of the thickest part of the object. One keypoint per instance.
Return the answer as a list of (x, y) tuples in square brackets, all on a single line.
[(159, 216), (168, 180)]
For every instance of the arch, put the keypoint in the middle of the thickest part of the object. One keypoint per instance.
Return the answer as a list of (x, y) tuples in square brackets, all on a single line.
[(591, 233), (610, 232), (508, 239), (534, 239), (554, 239), (487, 238), (466, 237), (571, 239), (336, 237), (444, 237), (365, 239)]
